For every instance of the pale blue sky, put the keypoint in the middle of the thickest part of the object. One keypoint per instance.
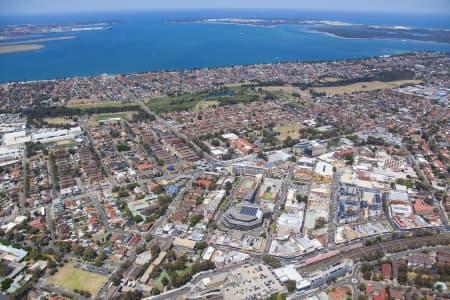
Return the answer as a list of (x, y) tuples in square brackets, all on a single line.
[(14, 7)]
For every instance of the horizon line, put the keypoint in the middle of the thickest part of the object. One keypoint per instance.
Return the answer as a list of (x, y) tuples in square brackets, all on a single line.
[(444, 13)]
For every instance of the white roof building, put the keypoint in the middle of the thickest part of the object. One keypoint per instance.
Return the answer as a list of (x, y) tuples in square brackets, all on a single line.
[(289, 224), (292, 205), (14, 139), (324, 169), (288, 273), (207, 255), (12, 153)]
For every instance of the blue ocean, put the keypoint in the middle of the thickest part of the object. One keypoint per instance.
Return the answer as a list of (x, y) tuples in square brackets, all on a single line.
[(147, 41)]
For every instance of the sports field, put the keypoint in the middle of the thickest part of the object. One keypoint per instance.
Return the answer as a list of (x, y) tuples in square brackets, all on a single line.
[(364, 86), (103, 117), (71, 278)]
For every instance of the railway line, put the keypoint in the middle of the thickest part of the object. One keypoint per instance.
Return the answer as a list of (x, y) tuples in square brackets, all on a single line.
[(392, 246)]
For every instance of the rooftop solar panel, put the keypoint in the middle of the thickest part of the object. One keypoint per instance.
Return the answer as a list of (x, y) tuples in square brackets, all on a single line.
[(249, 211)]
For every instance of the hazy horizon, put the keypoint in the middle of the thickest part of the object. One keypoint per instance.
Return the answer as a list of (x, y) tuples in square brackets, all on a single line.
[(32, 7)]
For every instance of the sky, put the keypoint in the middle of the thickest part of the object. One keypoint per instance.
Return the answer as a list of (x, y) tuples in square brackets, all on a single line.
[(19, 7)]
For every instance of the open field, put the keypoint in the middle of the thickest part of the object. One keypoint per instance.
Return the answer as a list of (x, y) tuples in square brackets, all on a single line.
[(283, 88), (75, 101), (364, 86), (110, 116), (71, 278), (205, 104), (330, 79), (287, 92), (84, 104), (58, 120), (94, 119), (288, 130), (19, 48)]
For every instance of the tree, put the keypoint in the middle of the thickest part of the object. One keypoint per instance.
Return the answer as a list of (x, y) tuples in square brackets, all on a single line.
[(228, 186), (302, 198), (201, 245), (362, 286), (165, 281), (89, 253), (4, 270), (102, 255), (291, 286), (35, 254), (215, 142), (171, 255), (78, 250), (155, 291), (6, 283), (155, 250), (195, 219), (349, 159), (272, 261), (138, 219)]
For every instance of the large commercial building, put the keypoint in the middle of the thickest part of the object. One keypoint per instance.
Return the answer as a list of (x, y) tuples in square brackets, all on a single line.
[(19, 138), (289, 224), (55, 135), (243, 217), (10, 153), (16, 139), (330, 272)]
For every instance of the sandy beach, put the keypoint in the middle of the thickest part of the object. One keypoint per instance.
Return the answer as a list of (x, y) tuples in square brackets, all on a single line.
[(19, 48), (59, 38)]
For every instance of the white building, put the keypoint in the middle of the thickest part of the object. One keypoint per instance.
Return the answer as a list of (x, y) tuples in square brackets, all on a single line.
[(289, 224), (15, 139), (19, 138), (288, 273), (324, 169), (7, 153), (56, 135), (292, 205)]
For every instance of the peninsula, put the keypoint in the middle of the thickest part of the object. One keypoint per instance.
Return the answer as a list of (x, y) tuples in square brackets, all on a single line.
[(343, 29)]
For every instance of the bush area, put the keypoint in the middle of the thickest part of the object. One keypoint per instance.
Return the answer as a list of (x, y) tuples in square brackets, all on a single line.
[(190, 100)]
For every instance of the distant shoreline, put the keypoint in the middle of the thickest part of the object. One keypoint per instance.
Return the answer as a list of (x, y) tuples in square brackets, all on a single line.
[(342, 29), (19, 48)]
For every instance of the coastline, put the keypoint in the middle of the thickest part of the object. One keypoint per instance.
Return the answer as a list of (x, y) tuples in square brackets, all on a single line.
[(19, 48), (311, 29), (60, 38)]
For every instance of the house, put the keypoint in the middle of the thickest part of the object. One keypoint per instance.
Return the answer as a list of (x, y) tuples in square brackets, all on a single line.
[(184, 244), (420, 261), (396, 294), (386, 270), (422, 209), (443, 258), (36, 223), (132, 273)]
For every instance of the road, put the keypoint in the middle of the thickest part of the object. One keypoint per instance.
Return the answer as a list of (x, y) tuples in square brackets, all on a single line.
[(442, 213), (189, 287), (179, 134), (332, 211), (285, 185), (171, 207), (91, 141)]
